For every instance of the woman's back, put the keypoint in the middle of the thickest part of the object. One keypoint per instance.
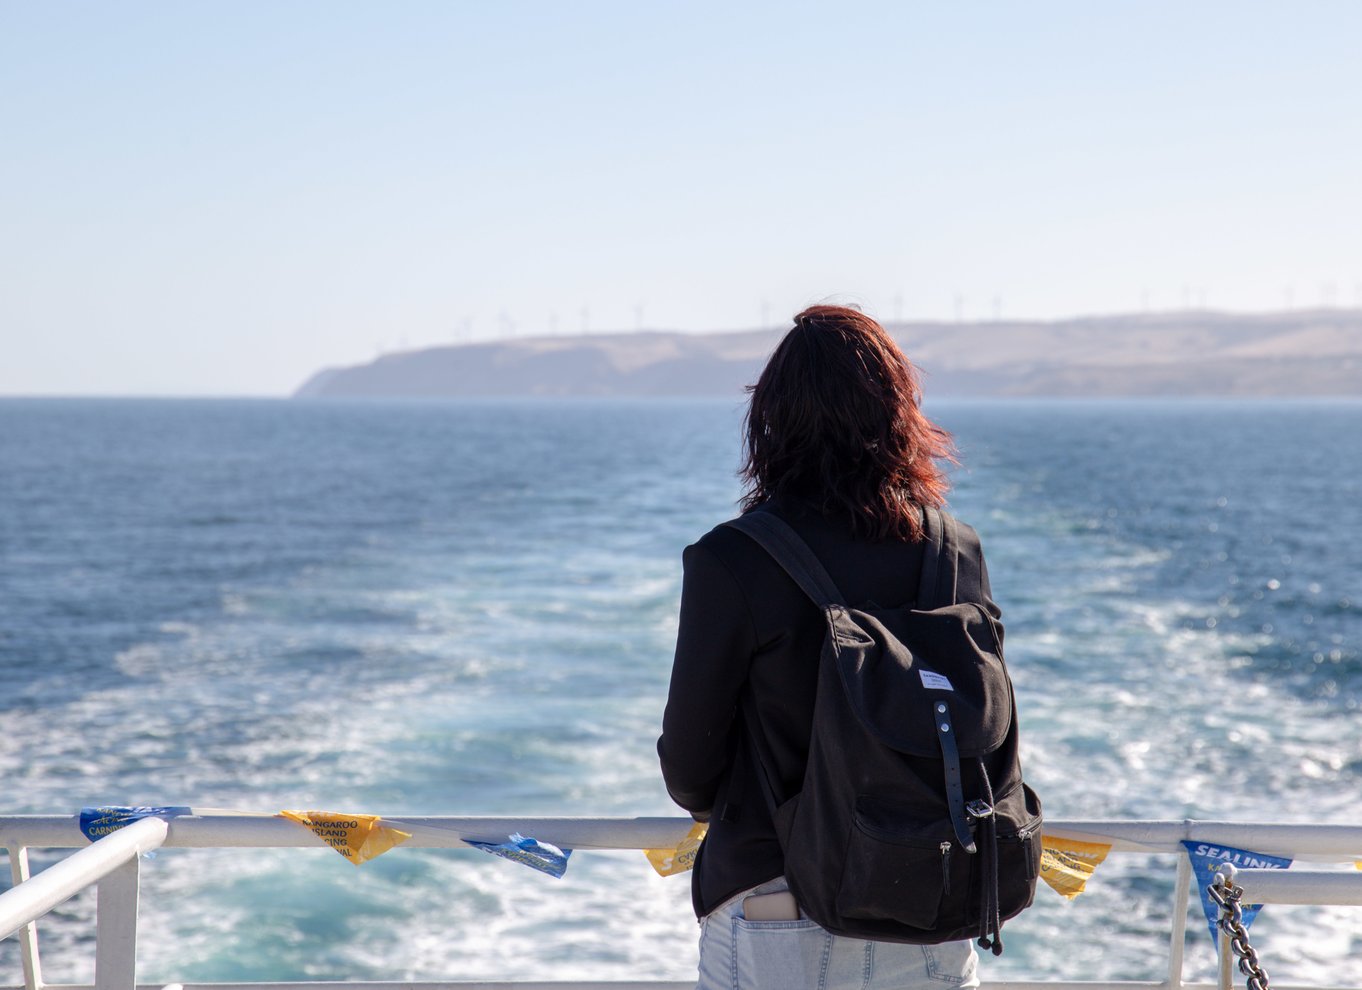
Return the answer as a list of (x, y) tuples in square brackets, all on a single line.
[(837, 447)]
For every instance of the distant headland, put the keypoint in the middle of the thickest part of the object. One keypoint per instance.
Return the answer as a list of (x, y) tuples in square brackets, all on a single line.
[(1195, 353)]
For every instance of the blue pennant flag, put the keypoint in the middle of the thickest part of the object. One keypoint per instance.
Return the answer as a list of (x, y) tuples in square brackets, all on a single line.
[(1206, 857), (531, 852), (99, 822)]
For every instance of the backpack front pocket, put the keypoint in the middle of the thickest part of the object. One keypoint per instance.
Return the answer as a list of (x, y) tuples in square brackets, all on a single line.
[(1019, 849), (900, 873)]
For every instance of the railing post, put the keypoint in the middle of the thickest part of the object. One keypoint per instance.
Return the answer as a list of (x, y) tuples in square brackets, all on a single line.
[(28, 935), (1224, 968), (116, 928), (1178, 940)]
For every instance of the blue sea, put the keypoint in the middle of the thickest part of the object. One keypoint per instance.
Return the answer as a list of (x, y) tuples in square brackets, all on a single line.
[(469, 608)]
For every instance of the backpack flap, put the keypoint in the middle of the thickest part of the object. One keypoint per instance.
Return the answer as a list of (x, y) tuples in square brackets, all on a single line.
[(895, 664)]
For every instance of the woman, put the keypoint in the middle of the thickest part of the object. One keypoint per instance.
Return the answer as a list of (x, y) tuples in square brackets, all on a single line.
[(838, 448)]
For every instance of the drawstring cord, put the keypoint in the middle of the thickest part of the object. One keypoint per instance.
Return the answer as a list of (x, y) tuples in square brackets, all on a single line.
[(989, 913)]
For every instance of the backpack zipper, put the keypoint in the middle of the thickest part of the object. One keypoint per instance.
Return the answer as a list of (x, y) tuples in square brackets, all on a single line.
[(946, 867)]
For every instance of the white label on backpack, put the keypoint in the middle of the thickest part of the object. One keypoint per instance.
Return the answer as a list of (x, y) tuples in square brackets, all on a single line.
[(937, 682)]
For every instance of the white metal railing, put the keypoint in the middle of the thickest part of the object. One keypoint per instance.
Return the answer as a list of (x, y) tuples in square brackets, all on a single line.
[(1299, 887), (112, 864)]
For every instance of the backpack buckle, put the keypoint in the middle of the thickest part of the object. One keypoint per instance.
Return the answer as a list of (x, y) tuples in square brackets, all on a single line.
[(979, 809)]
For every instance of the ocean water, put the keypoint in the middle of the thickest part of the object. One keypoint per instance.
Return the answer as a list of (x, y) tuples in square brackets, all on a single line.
[(469, 608)]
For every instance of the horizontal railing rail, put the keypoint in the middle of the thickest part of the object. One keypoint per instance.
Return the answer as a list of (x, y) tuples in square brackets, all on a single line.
[(1321, 843), (431, 832), (112, 863), (1300, 887)]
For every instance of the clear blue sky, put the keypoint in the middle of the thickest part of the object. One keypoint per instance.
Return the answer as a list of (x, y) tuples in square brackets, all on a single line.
[(221, 198)]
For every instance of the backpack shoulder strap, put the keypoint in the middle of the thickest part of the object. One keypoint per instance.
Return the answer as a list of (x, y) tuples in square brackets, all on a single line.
[(779, 539), (940, 560)]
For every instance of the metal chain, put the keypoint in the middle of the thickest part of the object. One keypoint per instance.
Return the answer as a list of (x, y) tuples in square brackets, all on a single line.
[(1231, 924)]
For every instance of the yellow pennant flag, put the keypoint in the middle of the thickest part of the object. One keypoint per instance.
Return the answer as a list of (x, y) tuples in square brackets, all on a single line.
[(670, 861), (1066, 864), (359, 838)]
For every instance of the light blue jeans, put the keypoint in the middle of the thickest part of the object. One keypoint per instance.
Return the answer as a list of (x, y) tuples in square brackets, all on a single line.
[(737, 954)]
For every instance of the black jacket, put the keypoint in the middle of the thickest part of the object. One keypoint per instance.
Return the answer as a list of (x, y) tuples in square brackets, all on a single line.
[(745, 623)]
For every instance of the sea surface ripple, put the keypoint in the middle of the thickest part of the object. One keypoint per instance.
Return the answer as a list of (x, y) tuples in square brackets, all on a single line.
[(469, 608)]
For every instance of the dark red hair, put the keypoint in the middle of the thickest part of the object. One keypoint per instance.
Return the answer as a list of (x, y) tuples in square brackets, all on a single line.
[(836, 418)]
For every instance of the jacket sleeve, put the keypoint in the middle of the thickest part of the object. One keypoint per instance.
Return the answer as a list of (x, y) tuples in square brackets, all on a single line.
[(714, 645)]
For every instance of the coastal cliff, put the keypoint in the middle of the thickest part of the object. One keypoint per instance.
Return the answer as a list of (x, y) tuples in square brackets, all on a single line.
[(1302, 353)]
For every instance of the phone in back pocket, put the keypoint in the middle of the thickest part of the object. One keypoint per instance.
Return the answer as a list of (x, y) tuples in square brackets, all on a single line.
[(779, 906)]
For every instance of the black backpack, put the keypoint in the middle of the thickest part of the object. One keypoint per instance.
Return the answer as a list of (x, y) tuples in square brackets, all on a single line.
[(913, 823)]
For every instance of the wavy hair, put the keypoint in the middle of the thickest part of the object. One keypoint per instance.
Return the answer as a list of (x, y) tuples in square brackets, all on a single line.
[(836, 418)]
